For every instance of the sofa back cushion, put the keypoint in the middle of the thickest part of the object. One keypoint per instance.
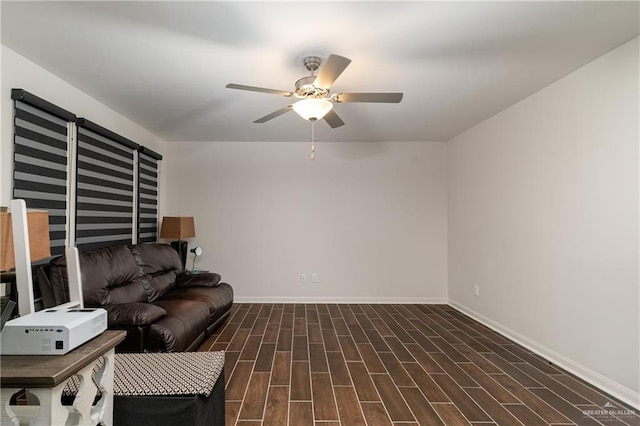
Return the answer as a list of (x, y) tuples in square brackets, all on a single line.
[(108, 276), (160, 263)]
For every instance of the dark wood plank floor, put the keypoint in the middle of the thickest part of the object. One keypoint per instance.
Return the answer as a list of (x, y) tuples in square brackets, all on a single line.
[(373, 365)]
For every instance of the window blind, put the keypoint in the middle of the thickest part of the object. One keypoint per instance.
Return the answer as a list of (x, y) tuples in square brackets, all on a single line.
[(148, 162), (40, 160), (116, 187), (104, 187)]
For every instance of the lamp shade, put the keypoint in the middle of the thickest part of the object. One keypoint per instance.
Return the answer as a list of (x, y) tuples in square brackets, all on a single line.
[(312, 109), (39, 243), (178, 228)]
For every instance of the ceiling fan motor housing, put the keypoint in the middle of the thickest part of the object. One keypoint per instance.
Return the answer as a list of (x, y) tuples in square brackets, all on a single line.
[(304, 86), (306, 89)]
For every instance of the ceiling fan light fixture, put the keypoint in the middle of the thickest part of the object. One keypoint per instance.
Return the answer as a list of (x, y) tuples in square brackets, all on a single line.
[(312, 109)]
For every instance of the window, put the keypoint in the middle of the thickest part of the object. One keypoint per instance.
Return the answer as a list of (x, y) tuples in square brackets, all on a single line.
[(41, 140), (148, 196), (106, 195), (104, 188)]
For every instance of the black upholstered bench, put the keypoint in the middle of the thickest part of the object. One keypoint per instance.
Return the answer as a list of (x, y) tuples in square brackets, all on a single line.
[(179, 388)]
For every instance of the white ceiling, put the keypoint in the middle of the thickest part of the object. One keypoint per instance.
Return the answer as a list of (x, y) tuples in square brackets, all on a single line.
[(165, 64)]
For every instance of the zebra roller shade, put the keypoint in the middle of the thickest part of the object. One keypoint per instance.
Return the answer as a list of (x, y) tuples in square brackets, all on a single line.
[(40, 167), (104, 191), (148, 197)]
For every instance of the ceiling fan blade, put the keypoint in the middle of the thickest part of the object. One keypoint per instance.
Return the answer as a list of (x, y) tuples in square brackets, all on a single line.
[(258, 89), (331, 71), (392, 98), (333, 119), (274, 114)]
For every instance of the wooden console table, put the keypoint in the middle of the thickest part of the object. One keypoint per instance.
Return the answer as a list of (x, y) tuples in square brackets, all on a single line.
[(45, 376)]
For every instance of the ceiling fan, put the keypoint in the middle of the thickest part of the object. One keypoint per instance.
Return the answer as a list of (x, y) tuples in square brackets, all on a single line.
[(313, 92)]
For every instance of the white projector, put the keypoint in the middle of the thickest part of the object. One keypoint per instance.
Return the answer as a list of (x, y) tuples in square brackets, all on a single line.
[(52, 331)]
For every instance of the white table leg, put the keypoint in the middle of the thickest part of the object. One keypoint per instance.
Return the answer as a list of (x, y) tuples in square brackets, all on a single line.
[(51, 412), (102, 412), (83, 412), (80, 410), (7, 416)]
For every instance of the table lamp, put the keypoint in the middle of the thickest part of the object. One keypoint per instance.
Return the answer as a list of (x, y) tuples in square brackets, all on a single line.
[(178, 228), (197, 251), (24, 238)]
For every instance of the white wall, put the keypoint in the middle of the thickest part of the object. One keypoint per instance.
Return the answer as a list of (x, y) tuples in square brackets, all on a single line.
[(369, 218), (543, 216), (19, 72)]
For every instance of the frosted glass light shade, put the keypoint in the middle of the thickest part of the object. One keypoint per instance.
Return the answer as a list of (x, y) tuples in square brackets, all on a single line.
[(312, 109)]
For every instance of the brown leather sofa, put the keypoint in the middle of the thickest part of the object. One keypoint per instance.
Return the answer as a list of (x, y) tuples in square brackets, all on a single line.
[(146, 292)]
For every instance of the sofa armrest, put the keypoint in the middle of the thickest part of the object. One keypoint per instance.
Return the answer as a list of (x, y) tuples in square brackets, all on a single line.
[(133, 314), (202, 279)]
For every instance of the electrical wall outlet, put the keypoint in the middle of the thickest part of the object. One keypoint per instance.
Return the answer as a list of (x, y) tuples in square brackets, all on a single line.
[(476, 290), (303, 278), (314, 278)]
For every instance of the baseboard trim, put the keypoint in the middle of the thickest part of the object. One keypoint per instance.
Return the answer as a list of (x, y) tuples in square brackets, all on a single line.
[(344, 300), (615, 389)]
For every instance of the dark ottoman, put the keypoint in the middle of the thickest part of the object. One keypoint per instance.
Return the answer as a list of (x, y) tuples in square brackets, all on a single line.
[(179, 388)]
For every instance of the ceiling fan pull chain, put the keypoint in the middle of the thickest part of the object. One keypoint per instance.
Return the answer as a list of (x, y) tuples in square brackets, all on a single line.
[(313, 138)]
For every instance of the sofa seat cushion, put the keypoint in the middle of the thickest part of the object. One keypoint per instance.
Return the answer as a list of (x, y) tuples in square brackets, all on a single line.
[(218, 299), (185, 322)]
